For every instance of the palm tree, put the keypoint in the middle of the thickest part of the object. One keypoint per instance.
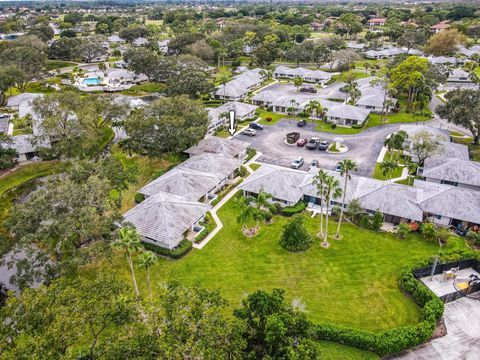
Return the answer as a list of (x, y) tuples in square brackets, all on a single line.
[(331, 190), (129, 241), (367, 66), (346, 167), (261, 202), (388, 166), (395, 142), (353, 91), (246, 212), (267, 74), (312, 107), (298, 81), (319, 182), (147, 259), (293, 107), (223, 79), (412, 170)]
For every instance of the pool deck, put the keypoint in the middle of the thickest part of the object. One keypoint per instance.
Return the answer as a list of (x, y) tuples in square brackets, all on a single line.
[(441, 286)]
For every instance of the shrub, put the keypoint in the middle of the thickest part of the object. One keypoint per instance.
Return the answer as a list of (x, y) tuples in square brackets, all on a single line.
[(474, 237), (242, 171), (372, 222), (333, 126), (295, 237), (139, 198), (250, 154), (403, 230), (267, 216), (295, 209), (268, 118), (429, 231), (180, 251)]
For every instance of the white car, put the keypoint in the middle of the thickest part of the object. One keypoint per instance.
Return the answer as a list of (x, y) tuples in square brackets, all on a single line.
[(297, 163), (249, 132)]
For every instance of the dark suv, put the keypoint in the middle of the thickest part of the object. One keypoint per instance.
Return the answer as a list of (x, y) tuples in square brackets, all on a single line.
[(302, 123), (312, 144), (255, 126)]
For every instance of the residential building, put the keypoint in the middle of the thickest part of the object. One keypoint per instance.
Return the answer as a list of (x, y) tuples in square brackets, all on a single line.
[(238, 88), (219, 116), (453, 171), (425, 201), (216, 145), (165, 220), (459, 76), (377, 22), (315, 76), (441, 26)]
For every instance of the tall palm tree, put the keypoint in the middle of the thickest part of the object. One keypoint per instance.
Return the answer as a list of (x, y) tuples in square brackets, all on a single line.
[(246, 212), (129, 241), (331, 190), (312, 107), (223, 79), (292, 109), (261, 202), (388, 166), (319, 182), (298, 81), (412, 170), (395, 142), (353, 91), (346, 167), (146, 260)]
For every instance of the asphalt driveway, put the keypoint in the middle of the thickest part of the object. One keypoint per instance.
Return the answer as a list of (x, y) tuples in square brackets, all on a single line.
[(364, 147)]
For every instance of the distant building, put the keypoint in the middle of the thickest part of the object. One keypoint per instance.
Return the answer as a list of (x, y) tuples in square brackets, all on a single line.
[(377, 22), (441, 26)]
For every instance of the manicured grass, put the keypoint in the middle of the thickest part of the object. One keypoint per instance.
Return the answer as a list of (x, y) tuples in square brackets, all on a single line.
[(148, 87), (154, 22), (333, 351), (353, 283), (223, 70), (319, 34), (58, 64), (345, 75), (378, 172), (255, 166), (276, 117), (324, 127), (147, 170)]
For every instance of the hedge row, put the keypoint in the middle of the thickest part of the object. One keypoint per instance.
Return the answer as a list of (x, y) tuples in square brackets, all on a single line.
[(295, 209), (182, 249), (395, 340), (225, 191)]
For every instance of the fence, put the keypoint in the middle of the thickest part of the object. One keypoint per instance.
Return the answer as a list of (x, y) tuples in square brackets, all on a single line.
[(440, 268)]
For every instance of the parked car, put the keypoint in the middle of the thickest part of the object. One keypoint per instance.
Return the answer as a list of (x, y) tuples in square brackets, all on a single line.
[(338, 167), (255, 126), (302, 142), (302, 123), (297, 163), (249, 132), (313, 163), (312, 143), (323, 145)]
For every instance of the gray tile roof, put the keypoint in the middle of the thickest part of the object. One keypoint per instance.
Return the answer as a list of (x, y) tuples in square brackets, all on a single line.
[(343, 111), (15, 101), (165, 217), (281, 183), (188, 183), (240, 84), (451, 201), (217, 145), (316, 75), (452, 169), (219, 165)]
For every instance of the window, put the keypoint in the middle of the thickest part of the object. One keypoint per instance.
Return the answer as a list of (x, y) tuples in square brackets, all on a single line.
[(438, 217)]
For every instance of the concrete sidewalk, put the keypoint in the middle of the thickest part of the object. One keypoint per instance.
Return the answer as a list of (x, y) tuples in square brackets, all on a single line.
[(222, 202)]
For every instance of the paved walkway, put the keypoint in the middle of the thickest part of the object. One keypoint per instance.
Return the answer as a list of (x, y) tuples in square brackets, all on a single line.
[(463, 335), (222, 202), (401, 177)]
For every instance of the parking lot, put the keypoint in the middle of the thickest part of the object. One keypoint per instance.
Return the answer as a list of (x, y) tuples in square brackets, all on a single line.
[(364, 148)]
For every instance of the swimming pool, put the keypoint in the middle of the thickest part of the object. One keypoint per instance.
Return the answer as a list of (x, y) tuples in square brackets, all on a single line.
[(92, 81)]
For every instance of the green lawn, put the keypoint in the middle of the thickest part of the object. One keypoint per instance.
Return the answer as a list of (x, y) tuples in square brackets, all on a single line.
[(473, 149), (148, 87), (378, 174), (58, 64), (255, 166), (276, 117), (353, 283), (223, 70), (148, 169)]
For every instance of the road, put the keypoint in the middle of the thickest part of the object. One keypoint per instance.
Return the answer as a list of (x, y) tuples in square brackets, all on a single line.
[(363, 147)]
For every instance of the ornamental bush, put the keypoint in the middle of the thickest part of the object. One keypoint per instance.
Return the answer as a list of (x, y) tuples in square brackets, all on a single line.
[(295, 237), (295, 209)]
